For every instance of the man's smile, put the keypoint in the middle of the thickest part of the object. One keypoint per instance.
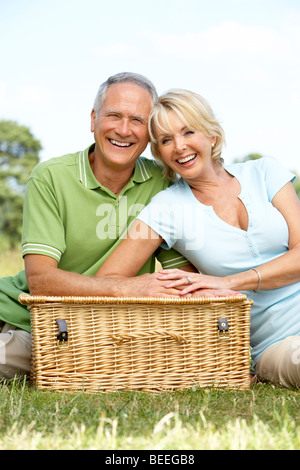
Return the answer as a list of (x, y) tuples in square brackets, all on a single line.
[(117, 143)]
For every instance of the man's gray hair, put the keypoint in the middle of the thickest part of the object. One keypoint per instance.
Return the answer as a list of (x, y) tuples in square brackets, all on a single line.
[(123, 77)]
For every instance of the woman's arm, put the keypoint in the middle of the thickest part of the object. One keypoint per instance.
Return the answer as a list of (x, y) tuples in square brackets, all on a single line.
[(282, 271), (132, 253), (130, 256)]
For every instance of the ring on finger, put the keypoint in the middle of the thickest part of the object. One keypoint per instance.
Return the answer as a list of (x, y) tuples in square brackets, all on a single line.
[(189, 280)]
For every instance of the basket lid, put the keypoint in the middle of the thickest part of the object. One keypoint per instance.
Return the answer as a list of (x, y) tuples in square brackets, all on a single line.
[(27, 299)]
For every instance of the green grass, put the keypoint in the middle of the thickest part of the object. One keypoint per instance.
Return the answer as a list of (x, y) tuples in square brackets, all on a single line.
[(265, 417)]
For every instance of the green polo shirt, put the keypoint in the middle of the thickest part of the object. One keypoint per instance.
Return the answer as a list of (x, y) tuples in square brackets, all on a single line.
[(71, 217)]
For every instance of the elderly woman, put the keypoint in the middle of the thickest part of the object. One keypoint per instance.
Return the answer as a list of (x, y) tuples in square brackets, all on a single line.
[(238, 224)]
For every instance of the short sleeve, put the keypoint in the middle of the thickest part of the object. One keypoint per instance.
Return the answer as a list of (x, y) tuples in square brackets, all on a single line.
[(164, 216), (276, 175), (161, 216), (170, 259), (43, 230)]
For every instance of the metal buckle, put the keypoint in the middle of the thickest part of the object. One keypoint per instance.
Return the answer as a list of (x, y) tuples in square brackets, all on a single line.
[(223, 332), (62, 337)]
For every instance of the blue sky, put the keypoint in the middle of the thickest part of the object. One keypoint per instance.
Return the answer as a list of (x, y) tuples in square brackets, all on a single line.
[(243, 56)]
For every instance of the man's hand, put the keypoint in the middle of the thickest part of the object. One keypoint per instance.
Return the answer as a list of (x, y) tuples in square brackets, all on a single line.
[(146, 285)]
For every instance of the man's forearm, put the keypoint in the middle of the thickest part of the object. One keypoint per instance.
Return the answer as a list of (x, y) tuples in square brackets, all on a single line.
[(61, 283), (56, 282), (45, 278)]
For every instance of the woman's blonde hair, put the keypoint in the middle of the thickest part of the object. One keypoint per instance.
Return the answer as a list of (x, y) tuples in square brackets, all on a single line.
[(196, 114)]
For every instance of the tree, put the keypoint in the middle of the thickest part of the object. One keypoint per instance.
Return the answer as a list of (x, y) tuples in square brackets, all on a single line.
[(255, 156), (19, 153)]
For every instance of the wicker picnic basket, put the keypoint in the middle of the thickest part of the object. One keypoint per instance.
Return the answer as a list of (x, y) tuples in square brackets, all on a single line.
[(103, 344)]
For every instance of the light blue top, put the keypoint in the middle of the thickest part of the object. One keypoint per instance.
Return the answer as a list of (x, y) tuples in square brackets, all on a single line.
[(216, 248)]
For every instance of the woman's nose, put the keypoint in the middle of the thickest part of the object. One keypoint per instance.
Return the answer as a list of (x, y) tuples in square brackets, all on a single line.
[(180, 144)]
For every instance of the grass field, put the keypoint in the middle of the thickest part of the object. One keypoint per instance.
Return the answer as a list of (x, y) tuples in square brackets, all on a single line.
[(264, 417)]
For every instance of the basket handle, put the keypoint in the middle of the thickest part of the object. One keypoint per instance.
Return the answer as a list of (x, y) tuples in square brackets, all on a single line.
[(121, 338)]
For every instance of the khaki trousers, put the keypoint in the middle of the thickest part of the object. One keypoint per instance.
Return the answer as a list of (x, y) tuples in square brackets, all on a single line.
[(280, 363), (15, 351)]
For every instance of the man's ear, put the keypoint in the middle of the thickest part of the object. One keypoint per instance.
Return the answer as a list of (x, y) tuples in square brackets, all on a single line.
[(93, 119)]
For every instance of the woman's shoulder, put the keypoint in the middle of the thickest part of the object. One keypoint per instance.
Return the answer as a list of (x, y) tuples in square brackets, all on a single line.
[(263, 172), (257, 164), (263, 166)]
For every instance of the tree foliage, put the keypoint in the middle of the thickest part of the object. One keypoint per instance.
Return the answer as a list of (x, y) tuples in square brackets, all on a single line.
[(19, 153)]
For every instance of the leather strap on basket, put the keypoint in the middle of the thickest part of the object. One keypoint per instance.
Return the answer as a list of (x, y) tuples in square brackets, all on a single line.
[(62, 337)]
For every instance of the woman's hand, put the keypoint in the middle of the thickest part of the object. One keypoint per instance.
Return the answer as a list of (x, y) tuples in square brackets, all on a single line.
[(194, 284)]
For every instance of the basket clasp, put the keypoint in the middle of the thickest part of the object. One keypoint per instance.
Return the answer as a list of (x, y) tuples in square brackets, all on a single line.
[(223, 328), (62, 337)]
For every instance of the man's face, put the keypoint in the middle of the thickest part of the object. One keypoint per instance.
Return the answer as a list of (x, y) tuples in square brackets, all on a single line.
[(121, 127)]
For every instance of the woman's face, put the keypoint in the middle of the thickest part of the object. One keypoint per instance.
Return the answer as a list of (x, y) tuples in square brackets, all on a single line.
[(185, 150)]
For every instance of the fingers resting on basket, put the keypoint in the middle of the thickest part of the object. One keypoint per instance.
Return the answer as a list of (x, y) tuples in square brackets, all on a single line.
[(195, 284)]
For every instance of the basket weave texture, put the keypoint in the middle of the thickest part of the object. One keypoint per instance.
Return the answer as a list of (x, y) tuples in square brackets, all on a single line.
[(150, 344)]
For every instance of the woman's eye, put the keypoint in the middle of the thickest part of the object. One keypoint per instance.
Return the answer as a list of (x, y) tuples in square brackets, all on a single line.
[(189, 132)]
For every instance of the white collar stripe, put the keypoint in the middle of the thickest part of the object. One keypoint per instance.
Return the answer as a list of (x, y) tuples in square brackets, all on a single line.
[(79, 164), (146, 171), (82, 169), (142, 169)]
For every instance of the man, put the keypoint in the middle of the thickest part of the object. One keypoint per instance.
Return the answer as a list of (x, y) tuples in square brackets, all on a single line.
[(78, 207)]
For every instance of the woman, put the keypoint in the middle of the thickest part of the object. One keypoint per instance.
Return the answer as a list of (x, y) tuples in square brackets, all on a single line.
[(238, 224)]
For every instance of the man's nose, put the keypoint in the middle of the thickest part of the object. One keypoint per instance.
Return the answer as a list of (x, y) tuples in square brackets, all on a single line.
[(123, 128)]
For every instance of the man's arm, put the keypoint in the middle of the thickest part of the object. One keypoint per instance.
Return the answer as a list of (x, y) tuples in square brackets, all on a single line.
[(45, 278)]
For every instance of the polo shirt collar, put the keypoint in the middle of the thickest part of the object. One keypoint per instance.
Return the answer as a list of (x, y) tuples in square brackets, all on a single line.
[(141, 173)]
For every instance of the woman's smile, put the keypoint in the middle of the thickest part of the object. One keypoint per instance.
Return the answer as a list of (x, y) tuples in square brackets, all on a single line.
[(187, 159), (187, 151)]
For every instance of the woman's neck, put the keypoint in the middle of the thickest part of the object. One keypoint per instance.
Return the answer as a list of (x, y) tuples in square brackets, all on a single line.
[(208, 187)]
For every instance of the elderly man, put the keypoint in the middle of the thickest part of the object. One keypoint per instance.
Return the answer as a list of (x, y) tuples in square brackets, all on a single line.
[(77, 209)]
